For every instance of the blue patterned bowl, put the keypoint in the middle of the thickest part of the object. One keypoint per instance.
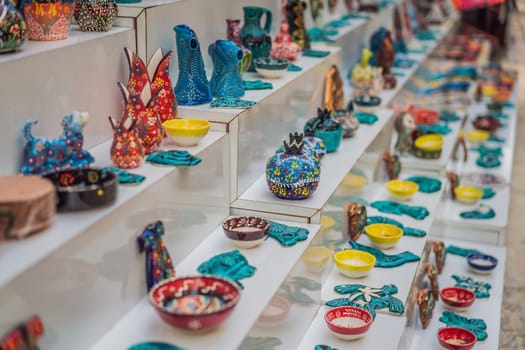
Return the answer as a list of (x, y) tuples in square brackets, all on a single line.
[(482, 263)]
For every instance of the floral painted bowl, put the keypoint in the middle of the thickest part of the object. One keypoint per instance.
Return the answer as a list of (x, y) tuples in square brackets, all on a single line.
[(196, 303), (186, 132), (275, 313), (487, 123), (457, 299), (402, 189), (271, 68), (456, 338), (354, 263), (468, 194), (383, 236), (366, 103), (315, 258), (246, 231), (348, 322), (477, 137), (482, 263)]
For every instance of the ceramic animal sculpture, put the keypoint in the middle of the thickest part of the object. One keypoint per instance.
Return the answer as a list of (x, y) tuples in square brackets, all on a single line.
[(426, 302), (126, 150), (25, 336), (226, 77), (453, 180), (45, 155), (295, 15), (382, 47), (404, 125)]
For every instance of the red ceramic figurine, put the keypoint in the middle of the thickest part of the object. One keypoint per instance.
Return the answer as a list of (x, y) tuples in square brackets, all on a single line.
[(126, 150)]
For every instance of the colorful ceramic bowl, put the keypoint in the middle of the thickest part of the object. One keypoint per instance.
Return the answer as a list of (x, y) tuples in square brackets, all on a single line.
[(366, 103), (429, 146), (487, 123), (457, 299), (402, 189), (477, 137), (348, 322), (424, 116), (482, 263), (383, 235), (455, 338), (195, 303), (468, 194), (354, 182), (275, 312), (354, 263), (315, 258), (271, 68), (246, 231), (186, 132)]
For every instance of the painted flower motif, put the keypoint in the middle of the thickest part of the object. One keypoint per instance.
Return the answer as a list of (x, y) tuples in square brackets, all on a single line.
[(66, 179)]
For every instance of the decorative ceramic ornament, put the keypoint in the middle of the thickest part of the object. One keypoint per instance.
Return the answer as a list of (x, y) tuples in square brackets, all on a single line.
[(126, 149), (13, 27), (316, 144), (382, 47), (354, 220), (404, 125), (159, 265), (326, 128), (226, 77), (295, 15), (192, 86), (48, 20), (25, 336), (287, 235), (95, 15), (292, 174), (43, 155), (389, 207), (428, 146), (365, 79), (283, 46), (481, 289), (254, 37), (233, 33), (426, 184), (231, 265), (426, 302), (173, 158), (432, 273), (386, 260), (333, 96), (475, 325), (440, 254)]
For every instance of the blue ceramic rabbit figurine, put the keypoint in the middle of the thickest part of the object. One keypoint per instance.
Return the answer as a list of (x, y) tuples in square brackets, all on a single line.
[(192, 85), (226, 78)]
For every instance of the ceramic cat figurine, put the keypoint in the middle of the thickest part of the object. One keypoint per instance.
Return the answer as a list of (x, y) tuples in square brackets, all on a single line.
[(126, 150), (226, 77)]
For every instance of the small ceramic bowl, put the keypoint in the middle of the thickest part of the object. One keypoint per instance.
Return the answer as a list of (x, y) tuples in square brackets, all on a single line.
[(468, 194), (457, 299), (196, 303), (271, 68), (429, 146), (348, 322), (354, 263), (402, 189), (186, 132), (477, 137), (366, 103), (482, 263), (246, 231), (456, 338), (315, 258), (275, 313), (424, 116), (487, 123), (354, 181), (383, 236)]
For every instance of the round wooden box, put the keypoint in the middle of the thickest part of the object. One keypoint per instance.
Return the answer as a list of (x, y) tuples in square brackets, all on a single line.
[(27, 205)]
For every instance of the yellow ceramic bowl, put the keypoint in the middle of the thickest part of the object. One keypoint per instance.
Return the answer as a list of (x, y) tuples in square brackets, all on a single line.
[(354, 181), (468, 194), (477, 136), (186, 132), (354, 263), (383, 235), (430, 142), (401, 189), (315, 258)]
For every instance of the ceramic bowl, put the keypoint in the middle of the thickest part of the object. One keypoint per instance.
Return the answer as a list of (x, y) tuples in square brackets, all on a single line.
[(383, 235), (315, 258), (196, 303), (246, 231), (455, 338), (477, 137), (457, 299), (482, 263), (402, 189), (354, 263), (424, 116), (468, 194), (430, 142), (366, 103), (354, 181), (275, 313), (271, 68), (186, 132), (348, 322), (487, 123)]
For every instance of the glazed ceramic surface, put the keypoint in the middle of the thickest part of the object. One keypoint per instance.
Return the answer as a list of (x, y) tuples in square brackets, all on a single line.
[(226, 77), (348, 322), (487, 123), (295, 15), (482, 263), (383, 236), (457, 299), (354, 263), (455, 338), (246, 231), (468, 194), (233, 33), (402, 189), (283, 46), (13, 27), (271, 68), (95, 15), (48, 20), (186, 132), (431, 142), (254, 37), (426, 303), (354, 220), (126, 150), (369, 298), (326, 128)]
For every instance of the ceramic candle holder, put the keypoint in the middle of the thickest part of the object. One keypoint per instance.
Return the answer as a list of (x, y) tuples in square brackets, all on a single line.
[(246, 231), (457, 299), (348, 322), (482, 263)]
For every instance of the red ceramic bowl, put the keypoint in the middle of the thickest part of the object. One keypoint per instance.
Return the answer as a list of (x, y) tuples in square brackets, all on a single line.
[(195, 303), (425, 116), (458, 299), (487, 123), (455, 338), (246, 231), (348, 322)]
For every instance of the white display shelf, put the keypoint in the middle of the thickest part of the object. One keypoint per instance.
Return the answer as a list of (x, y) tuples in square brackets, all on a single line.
[(67, 226), (76, 36), (273, 262), (487, 309), (259, 198)]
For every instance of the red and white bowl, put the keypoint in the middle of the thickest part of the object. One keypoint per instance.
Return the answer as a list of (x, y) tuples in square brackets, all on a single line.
[(456, 338), (348, 322), (457, 299)]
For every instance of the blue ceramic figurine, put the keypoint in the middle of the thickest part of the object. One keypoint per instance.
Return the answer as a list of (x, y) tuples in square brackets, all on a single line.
[(226, 77)]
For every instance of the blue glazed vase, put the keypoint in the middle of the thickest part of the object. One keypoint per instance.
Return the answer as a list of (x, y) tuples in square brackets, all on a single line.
[(192, 86), (226, 77), (326, 128), (254, 37)]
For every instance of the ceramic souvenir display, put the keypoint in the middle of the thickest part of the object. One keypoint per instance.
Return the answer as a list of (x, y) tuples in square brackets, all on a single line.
[(292, 174), (404, 125), (194, 303), (426, 303), (233, 33), (402, 189), (173, 158), (126, 150), (231, 265), (428, 146), (457, 299), (482, 263), (192, 86), (368, 298), (348, 322), (295, 14), (275, 313), (455, 338), (354, 220), (159, 265), (95, 15), (48, 20), (283, 46), (354, 263), (271, 68), (326, 128), (383, 236), (365, 79), (45, 155), (25, 336), (385, 260), (246, 231), (13, 27), (382, 47), (254, 37), (396, 208), (27, 205), (226, 77), (440, 253)]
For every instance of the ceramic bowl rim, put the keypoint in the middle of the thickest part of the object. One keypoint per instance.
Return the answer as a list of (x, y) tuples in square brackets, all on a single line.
[(348, 330), (399, 232), (397, 192), (458, 330), (420, 142), (370, 263), (493, 260), (458, 303)]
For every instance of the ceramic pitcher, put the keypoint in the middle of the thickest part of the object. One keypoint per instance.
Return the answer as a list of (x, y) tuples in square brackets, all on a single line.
[(254, 36), (192, 86), (295, 15), (13, 30), (233, 33), (226, 78)]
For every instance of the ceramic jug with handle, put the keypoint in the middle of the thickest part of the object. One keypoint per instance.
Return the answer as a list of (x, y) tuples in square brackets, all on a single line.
[(254, 36)]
